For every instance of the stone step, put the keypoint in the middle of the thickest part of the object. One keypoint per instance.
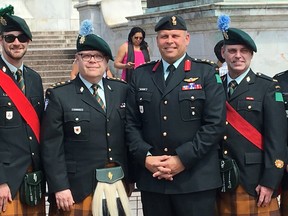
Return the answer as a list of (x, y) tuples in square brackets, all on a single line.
[(51, 67), (51, 33), (49, 62), (54, 41), (54, 73), (50, 57), (33, 51), (55, 79), (52, 45)]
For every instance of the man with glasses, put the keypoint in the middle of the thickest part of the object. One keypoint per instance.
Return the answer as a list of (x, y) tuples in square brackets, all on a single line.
[(19, 124), (83, 129)]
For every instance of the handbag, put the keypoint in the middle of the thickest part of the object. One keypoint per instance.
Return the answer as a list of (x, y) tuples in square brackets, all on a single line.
[(229, 174), (32, 187)]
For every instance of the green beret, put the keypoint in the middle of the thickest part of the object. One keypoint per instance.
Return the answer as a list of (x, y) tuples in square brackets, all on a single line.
[(171, 23), (234, 36), (93, 42), (14, 23)]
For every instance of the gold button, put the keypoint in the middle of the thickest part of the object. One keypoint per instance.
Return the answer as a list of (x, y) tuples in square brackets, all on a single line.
[(226, 122), (33, 153), (164, 134), (166, 149), (165, 102), (108, 134), (192, 97), (225, 152), (165, 118), (76, 119), (9, 104), (30, 138), (110, 149), (249, 107), (225, 137), (110, 158)]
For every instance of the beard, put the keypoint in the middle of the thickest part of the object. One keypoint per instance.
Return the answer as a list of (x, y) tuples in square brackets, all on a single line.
[(15, 52)]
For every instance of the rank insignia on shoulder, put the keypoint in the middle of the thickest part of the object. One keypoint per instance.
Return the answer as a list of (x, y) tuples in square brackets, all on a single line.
[(191, 86), (191, 79), (279, 164), (279, 97)]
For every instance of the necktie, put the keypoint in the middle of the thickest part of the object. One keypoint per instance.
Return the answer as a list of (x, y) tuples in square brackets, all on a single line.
[(231, 87), (171, 70), (20, 80), (98, 98)]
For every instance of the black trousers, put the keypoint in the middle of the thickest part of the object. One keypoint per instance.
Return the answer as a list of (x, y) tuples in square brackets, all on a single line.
[(190, 204)]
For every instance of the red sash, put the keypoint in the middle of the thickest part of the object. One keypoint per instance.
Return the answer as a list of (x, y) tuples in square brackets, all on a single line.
[(21, 102), (244, 127)]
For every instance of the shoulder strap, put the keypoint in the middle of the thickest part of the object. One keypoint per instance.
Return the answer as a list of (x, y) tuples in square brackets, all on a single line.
[(244, 127), (21, 102)]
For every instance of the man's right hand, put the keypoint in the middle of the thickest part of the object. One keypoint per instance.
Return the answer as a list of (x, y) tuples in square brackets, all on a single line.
[(64, 200), (5, 197), (156, 164)]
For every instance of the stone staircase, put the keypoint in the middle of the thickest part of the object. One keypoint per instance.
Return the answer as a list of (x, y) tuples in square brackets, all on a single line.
[(51, 54)]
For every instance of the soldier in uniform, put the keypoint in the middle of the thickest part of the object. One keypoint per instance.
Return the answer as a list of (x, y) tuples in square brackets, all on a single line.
[(259, 145), (83, 130), (175, 121), (282, 79), (19, 131)]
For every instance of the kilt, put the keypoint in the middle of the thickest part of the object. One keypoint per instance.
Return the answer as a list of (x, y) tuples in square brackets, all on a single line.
[(16, 208), (240, 203), (284, 202), (83, 208)]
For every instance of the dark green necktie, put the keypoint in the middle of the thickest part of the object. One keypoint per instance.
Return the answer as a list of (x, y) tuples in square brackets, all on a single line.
[(20, 80), (231, 87), (98, 98), (171, 70)]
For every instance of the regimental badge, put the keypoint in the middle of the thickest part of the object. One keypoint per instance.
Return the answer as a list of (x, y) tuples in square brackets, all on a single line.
[(77, 130), (173, 20), (279, 164), (82, 39), (3, 21), (4, 69), (9, 115), (225, 35), (248, 79), (81, 89), (141, 109), (110, 175)]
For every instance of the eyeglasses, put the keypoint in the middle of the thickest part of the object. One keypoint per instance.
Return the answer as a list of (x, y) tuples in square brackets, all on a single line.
[(88, 57), (138, 38), (10, 38)]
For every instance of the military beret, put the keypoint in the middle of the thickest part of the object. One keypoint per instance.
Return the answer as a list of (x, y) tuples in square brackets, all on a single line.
[(217, 51), (171, 23), (88, 41), (236, 36), (10, 22)]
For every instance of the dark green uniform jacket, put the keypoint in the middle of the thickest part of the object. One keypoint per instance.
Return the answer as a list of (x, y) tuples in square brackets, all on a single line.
[(78, 136), (257, 100), (186, 118), (18, 143)]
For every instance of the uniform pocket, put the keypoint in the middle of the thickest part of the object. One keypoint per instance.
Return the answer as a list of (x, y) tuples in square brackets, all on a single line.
[(191, 104), (76, 126), (9, 115)]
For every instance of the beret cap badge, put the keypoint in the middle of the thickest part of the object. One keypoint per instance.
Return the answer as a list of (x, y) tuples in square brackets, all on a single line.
[(82, 39), (3, 21), (173, 20)]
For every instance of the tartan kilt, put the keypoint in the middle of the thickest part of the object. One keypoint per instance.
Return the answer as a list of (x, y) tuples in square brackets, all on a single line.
[(240, 203), (83, 208), (284, 202), (16, 208)]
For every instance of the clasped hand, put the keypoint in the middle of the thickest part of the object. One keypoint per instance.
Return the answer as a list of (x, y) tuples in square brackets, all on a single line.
[(164, 167)]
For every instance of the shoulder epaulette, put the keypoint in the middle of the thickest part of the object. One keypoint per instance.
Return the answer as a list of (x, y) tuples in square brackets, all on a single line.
[(281, 73), (265, 77), (147, 63), (59, 84), (204, 61), (116, 79)]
